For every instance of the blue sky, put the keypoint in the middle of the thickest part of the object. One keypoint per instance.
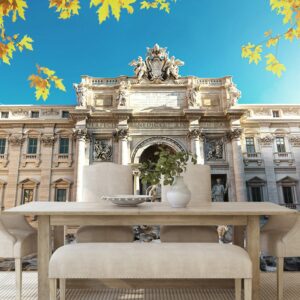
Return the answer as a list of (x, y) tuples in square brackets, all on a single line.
[(206, 34)]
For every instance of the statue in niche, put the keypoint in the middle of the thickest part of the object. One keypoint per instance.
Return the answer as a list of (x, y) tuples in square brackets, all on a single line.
[(123, 92), (140, 68), (218, 191), (192, 96), (81, 94), (102, 150), (214, 149)]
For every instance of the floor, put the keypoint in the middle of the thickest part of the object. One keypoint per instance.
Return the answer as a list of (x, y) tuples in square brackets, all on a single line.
[(292, 290)]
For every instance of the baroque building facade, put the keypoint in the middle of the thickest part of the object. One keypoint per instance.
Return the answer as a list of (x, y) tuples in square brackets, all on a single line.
[(253, 149)]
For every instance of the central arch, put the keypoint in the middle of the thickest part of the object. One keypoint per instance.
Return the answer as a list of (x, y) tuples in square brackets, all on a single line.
[(157, 140)]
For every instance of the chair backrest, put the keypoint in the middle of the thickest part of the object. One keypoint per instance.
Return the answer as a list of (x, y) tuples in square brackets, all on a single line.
[(198, 180), (106, 179)]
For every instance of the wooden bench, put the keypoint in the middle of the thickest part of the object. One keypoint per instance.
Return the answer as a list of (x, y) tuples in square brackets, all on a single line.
[(150, 261)]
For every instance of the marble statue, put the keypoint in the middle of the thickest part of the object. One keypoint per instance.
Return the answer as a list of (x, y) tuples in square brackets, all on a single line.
[(81, 94), (122, 93), (218, 191), (171, 67), (157, 66), (140, 68)]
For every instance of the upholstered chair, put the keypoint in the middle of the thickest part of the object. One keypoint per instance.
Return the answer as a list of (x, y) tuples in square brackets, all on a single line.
[(280, 237), (17, 239), (105, 179), (198, 180)]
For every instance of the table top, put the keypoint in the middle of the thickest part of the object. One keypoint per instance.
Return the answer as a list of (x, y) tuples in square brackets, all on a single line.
[(149, 208)]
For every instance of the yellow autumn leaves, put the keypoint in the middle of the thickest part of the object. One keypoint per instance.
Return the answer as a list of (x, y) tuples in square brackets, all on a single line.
[(66, 9), (290, 11), (69, 8), (42, 82)]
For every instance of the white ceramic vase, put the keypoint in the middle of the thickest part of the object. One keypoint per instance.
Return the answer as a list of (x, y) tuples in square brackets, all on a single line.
[(179, 195)]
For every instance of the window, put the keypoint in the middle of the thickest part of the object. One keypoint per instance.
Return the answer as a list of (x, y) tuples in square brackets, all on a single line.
[(275, 113), (287, 194), (256, 193), (4, 114), (32, 146), (280, 144), (250, 145), (61, 195), (27, 196), (65, 114), (64, 145), (2, 146), (35, 114)]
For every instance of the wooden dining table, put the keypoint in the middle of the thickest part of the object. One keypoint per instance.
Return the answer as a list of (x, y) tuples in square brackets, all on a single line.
[(105, 213)]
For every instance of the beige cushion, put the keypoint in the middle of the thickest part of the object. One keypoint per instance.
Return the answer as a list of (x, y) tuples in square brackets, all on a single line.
[(105, 179), (189, 234), (198, 180), (150, 260), (101, 234), (281, 236)]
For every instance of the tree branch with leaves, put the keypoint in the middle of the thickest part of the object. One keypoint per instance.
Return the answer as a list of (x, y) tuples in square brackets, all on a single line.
[(16, 9), (289, 10)]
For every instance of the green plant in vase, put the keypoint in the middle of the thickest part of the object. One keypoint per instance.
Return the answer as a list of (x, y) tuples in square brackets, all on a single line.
[(169, 168)]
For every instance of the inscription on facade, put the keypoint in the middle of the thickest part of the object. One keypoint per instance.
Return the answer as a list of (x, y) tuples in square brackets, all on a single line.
[(158, 125), (142, 100)]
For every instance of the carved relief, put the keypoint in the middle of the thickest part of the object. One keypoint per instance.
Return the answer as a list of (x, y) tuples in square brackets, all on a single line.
[(295, 140), (234, 134), (214, 149), (120, 134), (81, 134), (16, 140), (50, 112), (102, 150), (20, 112), (48, 140), (195, 133), (157, 66), (266, 140)]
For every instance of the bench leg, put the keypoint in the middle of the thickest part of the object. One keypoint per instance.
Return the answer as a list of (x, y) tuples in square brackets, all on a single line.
[(238, 288), (18, 271), (280, 267), (52, 283), (62, 289), (247, 289)]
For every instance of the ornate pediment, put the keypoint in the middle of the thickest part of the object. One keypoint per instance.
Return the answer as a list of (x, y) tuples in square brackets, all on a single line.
[(157, 66)]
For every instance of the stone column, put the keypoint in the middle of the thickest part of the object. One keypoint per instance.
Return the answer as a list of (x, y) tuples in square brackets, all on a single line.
[(238, 165), (197, 144), (15, 149), (295, 143), (46, 145), (266, 145), (122, 136), (81, 137)]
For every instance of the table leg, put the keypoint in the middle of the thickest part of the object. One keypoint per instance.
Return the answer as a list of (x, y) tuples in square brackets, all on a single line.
[(59, 236), (44, 251), (253, 247)]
